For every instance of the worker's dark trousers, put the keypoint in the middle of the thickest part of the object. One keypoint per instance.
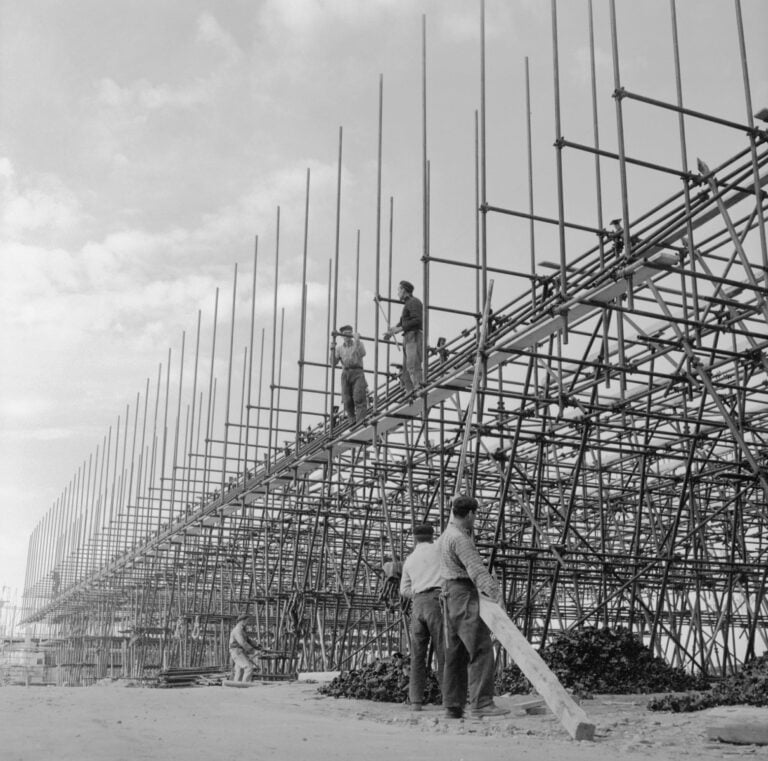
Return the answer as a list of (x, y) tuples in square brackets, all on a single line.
[(411, 375), (426, 625), (469, 663), (354, 393)]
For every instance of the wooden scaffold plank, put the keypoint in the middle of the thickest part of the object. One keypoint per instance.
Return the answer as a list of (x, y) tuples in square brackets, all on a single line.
[(570, 714)]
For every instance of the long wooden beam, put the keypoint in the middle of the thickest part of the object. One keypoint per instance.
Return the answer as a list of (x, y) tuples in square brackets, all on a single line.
[(570, 714)]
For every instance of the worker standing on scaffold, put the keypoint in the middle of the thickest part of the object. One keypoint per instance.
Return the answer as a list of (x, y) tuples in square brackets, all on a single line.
[(411, 325), (354, 389)]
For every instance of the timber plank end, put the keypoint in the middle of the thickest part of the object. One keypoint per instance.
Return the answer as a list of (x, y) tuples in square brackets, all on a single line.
[(584, 731), (546, 684)]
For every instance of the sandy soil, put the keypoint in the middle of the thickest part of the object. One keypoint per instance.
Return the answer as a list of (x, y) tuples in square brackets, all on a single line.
[(292, 721)]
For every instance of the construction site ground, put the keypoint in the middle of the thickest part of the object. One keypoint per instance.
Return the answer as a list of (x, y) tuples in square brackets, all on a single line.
[(284, 721)]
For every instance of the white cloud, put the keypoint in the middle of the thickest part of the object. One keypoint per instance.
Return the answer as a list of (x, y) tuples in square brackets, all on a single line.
[(305, 15), (133, 289), (462, 24), (146, 96), (209, 31), (33, 277), (25, 433), (307, 18), (297, 15), (45, 207), (24, 407), (580, 71), (137, 283)]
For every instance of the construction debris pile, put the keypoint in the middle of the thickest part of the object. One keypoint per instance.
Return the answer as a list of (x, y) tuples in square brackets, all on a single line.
[(385, 681), (590, 660), (205, 675), (748, 687), (607, 661)]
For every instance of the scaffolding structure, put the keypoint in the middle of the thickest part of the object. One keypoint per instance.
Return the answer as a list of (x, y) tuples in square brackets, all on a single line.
[(609, 410)]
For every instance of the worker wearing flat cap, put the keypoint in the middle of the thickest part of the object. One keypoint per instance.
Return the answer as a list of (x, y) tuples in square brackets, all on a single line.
[(469, 661), (242, 649), (411, 325), (354, 389), (421, 584)]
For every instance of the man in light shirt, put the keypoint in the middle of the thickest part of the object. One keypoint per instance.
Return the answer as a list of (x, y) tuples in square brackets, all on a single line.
[(469, 661), (242, 649), (420, 582), (354, 389)]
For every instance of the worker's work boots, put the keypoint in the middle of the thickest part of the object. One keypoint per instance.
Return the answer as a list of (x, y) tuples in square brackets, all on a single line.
[(490, 710)]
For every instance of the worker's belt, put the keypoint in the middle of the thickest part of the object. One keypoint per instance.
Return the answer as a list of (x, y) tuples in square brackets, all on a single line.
[(353, 367), (460, 580), (431, 590)]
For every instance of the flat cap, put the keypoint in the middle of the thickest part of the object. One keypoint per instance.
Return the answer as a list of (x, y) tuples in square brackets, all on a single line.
[(423, 531), (462, 504)]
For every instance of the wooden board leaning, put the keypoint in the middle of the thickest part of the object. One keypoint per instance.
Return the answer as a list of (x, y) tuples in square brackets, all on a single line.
[(562, 705)]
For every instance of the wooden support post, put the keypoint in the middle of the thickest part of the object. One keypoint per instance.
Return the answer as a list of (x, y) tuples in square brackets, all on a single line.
[(571, 715)]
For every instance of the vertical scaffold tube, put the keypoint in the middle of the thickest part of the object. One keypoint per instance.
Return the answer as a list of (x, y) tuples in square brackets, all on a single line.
[(425, 205), (596, 134), (227, 408), (249, 404), (335, 305), (270, 443), (191, 480), (483, 169), (618, 96), (303, 326), (752, 140), (559, 167), (377, 283)]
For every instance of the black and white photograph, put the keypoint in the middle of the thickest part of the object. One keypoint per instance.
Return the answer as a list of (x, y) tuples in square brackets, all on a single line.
[(383, 379)]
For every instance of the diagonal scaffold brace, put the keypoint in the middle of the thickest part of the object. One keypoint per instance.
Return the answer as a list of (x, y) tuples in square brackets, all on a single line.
[(477, 376)]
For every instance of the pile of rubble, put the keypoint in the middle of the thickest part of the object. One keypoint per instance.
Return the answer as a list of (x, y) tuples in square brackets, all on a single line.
[(748, 687), (384, 680), (606, 661)]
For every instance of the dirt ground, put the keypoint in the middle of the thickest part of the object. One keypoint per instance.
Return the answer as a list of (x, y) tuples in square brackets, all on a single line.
[(293, 722)]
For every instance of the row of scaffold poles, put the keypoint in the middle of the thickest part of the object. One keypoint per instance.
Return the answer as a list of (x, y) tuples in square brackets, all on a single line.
[(610, 416)]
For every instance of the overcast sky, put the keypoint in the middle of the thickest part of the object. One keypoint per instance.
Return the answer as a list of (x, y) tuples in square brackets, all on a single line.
[(144, 144)]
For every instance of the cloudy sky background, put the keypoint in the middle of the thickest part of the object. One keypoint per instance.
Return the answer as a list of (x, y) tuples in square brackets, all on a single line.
[(144, 145)]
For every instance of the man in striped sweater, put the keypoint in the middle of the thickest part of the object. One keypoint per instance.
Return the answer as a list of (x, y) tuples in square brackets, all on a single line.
[(469, 661)]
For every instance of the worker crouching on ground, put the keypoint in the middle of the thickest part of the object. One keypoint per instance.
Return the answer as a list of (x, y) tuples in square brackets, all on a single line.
[(469, 661), (241, 650), (354, 389), (411, 325), (421, 584)]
